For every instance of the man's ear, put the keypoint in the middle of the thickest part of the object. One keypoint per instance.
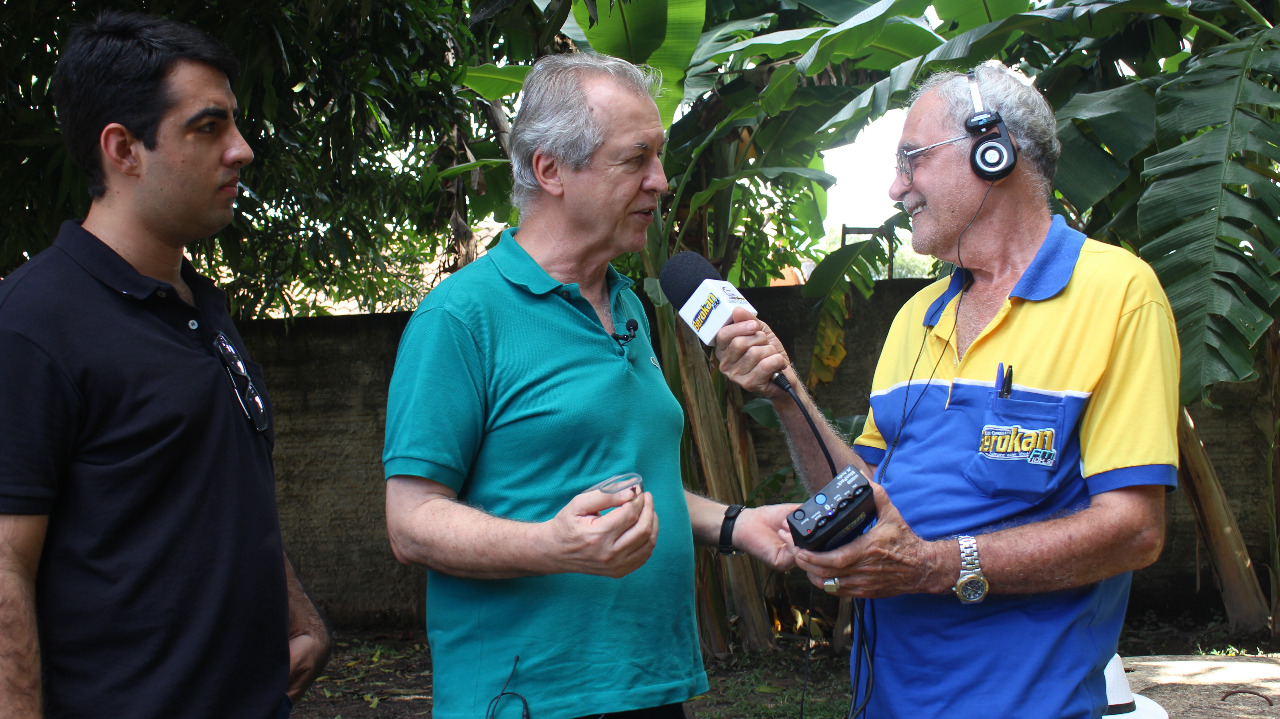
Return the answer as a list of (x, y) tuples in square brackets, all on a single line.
[(547, 170), (119, 150)]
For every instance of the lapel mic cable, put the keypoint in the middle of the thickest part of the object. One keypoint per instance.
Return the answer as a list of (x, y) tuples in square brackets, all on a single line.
[(494, 702), (906, 415)]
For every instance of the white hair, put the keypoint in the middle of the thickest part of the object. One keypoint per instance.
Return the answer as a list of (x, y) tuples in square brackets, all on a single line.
[(555, 119), (1024, 110)]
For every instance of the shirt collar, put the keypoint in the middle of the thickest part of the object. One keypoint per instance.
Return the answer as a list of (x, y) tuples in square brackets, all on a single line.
[(112, 270), (515, 264), (1046, 276)]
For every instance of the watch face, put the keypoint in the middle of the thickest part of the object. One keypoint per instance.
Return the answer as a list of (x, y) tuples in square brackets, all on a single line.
[(972, 589)]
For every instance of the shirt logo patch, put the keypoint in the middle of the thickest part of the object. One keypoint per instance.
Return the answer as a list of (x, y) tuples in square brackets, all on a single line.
[(709, 304), (1016, 443)]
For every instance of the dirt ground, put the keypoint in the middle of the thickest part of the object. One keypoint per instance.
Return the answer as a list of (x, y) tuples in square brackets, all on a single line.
[(387, 674)]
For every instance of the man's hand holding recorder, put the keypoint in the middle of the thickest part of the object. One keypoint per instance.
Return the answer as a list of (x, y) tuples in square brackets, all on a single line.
[(887, 560)]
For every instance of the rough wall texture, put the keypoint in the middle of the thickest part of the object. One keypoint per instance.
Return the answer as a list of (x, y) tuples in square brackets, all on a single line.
[(328, 381), (328, 378)]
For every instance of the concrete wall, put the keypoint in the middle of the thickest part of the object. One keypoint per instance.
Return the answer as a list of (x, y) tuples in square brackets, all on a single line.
[(328, 378)]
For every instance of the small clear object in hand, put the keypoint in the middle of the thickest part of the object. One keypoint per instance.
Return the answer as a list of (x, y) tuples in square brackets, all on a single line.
[(619, 483)]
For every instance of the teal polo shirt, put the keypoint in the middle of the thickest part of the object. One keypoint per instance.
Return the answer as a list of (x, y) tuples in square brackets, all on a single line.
[(508, 389)]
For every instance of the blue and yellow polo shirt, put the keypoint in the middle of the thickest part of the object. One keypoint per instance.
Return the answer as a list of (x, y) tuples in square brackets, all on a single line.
[(1093, 347), (1092, 408)]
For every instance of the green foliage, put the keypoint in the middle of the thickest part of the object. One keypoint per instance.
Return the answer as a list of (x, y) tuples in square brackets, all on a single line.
[(357, 113), (659, 33), (350, 110), (1208, 215), (858, 259), (494, 83), (41, 188), (828, 337), (830, 282), (1101, 133)]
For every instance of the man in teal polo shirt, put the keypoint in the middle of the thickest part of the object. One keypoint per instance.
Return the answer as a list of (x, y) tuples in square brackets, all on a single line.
[(523, 381)]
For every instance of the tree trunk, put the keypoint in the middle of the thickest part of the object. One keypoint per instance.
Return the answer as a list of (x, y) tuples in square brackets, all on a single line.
[(1241, 595), (1273, 471), (714, 439)]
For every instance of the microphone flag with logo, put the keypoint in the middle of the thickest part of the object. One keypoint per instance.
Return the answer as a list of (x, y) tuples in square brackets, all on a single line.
[(705, 300)]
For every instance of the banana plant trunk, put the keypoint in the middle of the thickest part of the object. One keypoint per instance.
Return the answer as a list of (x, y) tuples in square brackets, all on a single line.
[(1273, 474), (726, 457), (1241, 594)]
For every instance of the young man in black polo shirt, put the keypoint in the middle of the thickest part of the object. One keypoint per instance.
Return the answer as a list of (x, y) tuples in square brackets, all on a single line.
[(141, 566)]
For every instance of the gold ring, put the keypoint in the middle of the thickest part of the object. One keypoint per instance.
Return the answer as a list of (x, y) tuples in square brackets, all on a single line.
[(832, 585)]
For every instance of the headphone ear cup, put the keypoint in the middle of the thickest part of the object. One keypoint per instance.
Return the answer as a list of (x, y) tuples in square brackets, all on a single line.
[(994, 157)]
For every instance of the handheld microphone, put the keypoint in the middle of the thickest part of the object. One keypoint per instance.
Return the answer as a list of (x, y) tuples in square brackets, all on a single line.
[(844, 507), (705, 300), (632, 326)]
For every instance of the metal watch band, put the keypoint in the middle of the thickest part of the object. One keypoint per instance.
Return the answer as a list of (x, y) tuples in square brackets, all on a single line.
[(972, 586), (968, 554), (726, 530)]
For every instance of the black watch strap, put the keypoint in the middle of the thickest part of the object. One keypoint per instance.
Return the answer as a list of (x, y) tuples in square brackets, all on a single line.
[(726, 530)]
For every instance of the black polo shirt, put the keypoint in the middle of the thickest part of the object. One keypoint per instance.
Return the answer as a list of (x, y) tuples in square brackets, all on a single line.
[(161, 589)]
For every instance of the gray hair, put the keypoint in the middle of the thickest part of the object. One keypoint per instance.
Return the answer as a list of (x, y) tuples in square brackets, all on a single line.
[(1024, 110), (555, 119)]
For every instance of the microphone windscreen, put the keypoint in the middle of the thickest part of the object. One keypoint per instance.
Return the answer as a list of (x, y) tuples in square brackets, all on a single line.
[(682, 275)]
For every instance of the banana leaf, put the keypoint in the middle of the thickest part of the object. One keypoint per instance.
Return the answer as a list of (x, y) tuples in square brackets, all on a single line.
[(1207, 218)]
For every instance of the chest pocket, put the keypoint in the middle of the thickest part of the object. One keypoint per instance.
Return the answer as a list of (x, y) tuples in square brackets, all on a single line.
[(1019, 450)]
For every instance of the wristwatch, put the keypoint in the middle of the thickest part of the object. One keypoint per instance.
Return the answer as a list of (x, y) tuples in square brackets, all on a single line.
[(971, 587), (725, 547)]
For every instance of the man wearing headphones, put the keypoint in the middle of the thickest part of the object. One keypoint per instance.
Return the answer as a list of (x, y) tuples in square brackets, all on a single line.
[(1012, 508)]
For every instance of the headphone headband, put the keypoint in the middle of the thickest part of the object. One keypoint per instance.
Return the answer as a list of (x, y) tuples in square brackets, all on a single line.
[(974, 93)]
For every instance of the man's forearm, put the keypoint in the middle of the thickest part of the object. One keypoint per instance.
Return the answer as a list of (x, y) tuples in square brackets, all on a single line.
[(309, 642), (705, 518), (21, 543), (1121, 531), (806, 453), (460, 540), (430, 528), (19, 650)]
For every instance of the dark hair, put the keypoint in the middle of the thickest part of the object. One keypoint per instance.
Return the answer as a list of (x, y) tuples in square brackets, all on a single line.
[(113, 70)]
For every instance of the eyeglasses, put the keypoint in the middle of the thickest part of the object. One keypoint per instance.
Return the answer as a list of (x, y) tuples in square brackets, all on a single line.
[(904, 156), (250, 401)]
